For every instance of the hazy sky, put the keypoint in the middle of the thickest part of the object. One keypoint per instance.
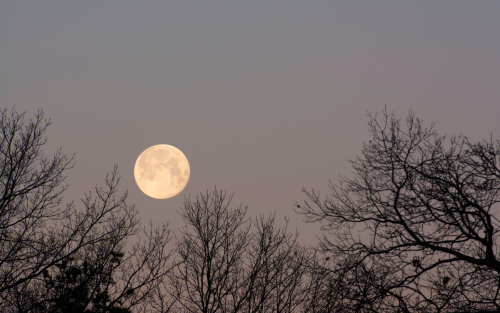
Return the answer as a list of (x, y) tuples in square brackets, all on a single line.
[(263, 97)]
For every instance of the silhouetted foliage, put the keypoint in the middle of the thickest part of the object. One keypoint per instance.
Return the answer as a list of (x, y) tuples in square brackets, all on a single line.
[(418, 222), (76, 287), (62, 258)]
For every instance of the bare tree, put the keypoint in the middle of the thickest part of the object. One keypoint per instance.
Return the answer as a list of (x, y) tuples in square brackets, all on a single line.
[(49, 250), (338, 287), (227, 267), (425, 209), (30, 196), (280, 269)]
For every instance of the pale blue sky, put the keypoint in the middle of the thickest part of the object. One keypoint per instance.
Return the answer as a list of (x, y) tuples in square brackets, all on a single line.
[(263, 97)]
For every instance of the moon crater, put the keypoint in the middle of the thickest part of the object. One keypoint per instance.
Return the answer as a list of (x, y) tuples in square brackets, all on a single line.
[(161, 171)]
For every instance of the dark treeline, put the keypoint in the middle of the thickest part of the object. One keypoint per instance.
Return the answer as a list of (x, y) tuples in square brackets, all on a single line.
[(415, 229)]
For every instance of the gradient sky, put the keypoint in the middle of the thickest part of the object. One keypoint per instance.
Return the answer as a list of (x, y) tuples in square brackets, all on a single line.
[(263, 97)]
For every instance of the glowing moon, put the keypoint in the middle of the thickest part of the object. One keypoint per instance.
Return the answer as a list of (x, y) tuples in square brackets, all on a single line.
[(161, 171)]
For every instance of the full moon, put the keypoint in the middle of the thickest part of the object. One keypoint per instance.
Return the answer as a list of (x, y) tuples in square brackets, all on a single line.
[(161, 171)]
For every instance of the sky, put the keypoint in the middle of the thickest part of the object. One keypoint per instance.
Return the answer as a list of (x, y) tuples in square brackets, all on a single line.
[(263, 97)]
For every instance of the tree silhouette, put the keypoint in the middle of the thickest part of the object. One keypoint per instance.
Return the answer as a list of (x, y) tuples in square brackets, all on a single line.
[(422, 210), (55, 256), (225, 266), (416, 230), (74, 286)]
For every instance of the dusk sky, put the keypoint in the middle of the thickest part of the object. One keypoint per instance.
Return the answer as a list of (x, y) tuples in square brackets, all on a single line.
[(263, 97)]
